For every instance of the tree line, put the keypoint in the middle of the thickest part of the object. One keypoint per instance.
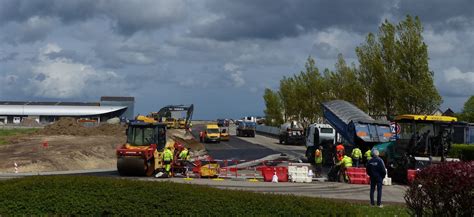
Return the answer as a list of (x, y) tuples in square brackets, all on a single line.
[(393, 77)]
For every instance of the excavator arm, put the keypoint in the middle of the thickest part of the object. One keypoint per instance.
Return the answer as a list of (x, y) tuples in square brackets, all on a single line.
[(167, 112)]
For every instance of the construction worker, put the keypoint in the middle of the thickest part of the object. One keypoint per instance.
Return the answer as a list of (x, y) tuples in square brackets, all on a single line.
[(167, 159), (184, 154), (344, 163), (318, 160), (356, 156), (339, 152), (368, 156)]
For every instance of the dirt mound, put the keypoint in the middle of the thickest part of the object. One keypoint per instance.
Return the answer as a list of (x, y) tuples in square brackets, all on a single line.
[(29, 122), (69, 126)]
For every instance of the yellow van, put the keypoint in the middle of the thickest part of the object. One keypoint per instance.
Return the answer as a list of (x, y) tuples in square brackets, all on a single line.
[(210, 134)]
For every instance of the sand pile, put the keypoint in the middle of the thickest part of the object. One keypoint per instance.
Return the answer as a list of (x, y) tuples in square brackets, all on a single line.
[(69, 126), (29, 122)]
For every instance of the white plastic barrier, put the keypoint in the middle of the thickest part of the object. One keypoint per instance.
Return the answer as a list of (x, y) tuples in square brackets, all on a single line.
[(298, 172)]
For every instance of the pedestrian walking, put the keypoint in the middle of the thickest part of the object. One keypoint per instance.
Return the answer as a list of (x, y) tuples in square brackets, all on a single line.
[(377, 171)]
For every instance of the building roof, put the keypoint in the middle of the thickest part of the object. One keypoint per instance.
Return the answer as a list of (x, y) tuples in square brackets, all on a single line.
[(49, 103), (117, 98), (57, 110)]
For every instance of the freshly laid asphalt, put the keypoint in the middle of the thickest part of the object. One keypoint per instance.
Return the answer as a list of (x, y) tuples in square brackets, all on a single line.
[(234, 149)]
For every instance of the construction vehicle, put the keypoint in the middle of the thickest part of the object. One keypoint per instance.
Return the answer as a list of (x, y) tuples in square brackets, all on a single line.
[(224, 136), (172, 115), (141, 155), (210, 134), (319, 135), (291, 133), (181, 123), (246, 127), (421, 140), (171, 123), (355, 126)]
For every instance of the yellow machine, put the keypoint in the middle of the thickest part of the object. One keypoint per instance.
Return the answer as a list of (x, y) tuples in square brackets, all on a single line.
[(181, 123), (141, 155), (210, 134), (171, 123), (421, 140), (224, 134)]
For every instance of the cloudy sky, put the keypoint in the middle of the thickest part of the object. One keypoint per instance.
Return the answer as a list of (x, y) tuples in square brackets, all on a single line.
[(219, 55)]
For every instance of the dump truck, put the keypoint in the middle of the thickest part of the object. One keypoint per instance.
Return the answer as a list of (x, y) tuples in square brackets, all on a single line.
[(210, 134), (291, 133), (141, 155), (246, 127), (355, 126)]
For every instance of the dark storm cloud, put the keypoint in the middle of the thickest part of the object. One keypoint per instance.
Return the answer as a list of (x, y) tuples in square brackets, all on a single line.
[(454, 14), (271, 19), (127, 17)]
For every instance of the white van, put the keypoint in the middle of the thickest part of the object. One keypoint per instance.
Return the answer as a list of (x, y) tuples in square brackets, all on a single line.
[(318, 134)]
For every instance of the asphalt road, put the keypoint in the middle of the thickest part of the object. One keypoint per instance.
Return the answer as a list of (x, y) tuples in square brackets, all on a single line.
[(234, 149)]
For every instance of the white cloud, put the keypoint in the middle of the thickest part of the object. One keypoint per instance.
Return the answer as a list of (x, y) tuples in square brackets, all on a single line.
[(64, 78), (456, 83), (236, 75)]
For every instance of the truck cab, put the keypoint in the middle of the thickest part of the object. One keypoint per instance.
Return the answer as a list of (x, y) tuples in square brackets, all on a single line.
[(291, 133), (211, 134), (316, 135)]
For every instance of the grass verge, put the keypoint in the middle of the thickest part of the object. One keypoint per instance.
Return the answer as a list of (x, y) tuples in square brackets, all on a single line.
[(5, 134), (83, 195)]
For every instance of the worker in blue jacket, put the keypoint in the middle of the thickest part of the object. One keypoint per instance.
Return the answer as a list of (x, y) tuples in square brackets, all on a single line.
[(377, 171)]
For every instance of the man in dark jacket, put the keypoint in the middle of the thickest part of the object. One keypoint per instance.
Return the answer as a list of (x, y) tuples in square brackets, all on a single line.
[(376, 170)]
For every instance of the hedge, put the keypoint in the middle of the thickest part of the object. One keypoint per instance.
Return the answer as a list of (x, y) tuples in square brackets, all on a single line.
[(464, 152), (445, 189), (83, 195)]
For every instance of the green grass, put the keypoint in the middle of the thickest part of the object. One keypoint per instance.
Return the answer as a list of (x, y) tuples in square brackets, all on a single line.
[(82, 195), (7, 133)]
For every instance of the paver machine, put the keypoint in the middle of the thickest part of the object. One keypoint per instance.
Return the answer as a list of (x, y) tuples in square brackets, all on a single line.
[(141, 155), (421, 140)]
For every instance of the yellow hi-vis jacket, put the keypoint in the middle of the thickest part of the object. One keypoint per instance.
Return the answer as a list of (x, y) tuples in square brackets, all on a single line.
[(356, 153), (167, 155), (368, 155), (184, 154), (346, 161), (318, 156)]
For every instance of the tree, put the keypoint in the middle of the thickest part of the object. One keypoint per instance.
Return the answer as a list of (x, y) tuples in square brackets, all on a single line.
[(468, 111), (416, 91), (394, 70), (343, 83), (273, 111)]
